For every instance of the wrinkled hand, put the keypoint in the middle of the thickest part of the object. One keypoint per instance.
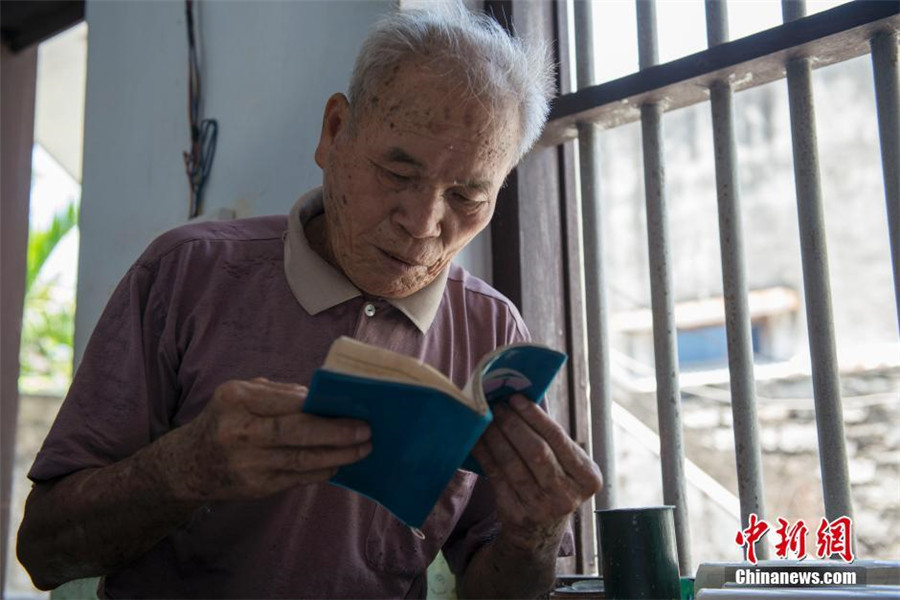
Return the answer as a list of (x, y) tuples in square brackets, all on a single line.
[(252, 440), (538, 474)]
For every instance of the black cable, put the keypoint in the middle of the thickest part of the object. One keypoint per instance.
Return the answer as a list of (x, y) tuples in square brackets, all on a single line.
[(204, 132)]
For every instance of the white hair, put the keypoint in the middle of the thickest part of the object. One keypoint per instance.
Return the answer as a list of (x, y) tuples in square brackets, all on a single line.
[(495, 67)]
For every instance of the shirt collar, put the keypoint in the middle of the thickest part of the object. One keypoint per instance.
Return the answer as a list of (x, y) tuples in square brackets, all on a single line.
[(318, 286)]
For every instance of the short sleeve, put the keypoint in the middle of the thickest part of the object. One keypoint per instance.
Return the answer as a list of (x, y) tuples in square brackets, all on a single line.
[(124, 390)]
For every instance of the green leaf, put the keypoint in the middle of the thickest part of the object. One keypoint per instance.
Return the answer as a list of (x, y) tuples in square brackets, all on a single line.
[(42, 242)]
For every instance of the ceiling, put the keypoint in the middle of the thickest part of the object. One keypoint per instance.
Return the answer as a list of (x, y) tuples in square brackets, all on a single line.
[(27, 22), (61, 33)]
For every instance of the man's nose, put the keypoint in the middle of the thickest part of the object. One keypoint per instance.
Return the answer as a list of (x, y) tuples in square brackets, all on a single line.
[(421, 214)]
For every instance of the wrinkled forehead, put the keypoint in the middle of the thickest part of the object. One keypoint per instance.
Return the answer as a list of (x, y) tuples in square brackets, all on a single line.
[(431, 101)]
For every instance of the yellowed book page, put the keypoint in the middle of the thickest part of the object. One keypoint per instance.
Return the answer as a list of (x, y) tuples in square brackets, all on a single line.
[(353, 357)]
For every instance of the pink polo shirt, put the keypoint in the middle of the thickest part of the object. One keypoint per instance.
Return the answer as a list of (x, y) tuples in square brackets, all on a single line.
[(209, 302)]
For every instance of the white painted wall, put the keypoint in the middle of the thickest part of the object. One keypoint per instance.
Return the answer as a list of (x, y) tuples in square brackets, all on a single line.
[(268, 68)]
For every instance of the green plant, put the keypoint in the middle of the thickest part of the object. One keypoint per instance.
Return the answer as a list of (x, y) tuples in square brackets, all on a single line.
[(49, 316), (42, 242)]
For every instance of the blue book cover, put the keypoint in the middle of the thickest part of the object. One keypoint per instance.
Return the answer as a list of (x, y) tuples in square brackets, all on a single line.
[(423, 427)]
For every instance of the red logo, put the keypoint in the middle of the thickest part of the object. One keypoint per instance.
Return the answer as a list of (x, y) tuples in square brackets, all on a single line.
[(832, 538), (747, 538), (835, 538), (791, 538)]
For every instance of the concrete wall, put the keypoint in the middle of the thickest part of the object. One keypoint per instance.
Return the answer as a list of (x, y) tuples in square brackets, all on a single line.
[(790, 459), (268, 68), (853, 197)]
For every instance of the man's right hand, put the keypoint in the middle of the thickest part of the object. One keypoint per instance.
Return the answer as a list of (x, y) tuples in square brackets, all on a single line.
[(253, 440)]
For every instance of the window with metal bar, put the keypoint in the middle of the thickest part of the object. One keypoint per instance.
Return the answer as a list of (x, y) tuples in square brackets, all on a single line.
[(729, 225)]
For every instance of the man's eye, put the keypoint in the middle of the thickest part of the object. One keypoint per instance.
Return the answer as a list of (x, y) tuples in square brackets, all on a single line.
[(397, 177), (466, 200)]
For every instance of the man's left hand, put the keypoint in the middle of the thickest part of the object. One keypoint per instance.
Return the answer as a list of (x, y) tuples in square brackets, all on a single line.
[(538, 474)]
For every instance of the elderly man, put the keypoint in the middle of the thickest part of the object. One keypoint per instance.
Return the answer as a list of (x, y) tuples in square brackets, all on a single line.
[(181, 464)]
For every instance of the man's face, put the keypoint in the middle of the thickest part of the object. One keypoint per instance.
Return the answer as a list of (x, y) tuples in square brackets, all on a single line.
[(412, 181)]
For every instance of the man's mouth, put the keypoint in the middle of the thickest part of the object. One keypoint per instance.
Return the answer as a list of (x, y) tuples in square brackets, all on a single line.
[(405, 261)]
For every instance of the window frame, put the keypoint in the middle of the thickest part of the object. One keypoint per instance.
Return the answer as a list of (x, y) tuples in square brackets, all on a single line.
[(538, 245)]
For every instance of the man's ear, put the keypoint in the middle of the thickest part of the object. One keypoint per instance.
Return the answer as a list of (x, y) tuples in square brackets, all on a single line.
[(335, 119)]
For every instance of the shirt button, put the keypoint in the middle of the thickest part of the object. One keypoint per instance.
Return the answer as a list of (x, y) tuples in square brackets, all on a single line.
[(369, 310)]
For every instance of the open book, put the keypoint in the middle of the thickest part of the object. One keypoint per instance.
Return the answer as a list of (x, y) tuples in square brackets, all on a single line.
[(423, 426)]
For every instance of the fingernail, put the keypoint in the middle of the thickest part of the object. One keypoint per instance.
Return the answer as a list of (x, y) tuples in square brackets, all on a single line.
[(363, 433), (519, 402)]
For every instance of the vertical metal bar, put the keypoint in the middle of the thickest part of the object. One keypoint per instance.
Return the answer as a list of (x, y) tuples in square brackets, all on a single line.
[(734, 282), (826, 383), (594, 276), (585, 528), (791, 10), (716, 22), (648, 54), (587, 550), (668, 397), (884, 63)]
